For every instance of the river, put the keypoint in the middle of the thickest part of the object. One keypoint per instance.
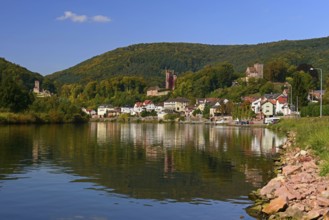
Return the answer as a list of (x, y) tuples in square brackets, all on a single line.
[(132, 171)]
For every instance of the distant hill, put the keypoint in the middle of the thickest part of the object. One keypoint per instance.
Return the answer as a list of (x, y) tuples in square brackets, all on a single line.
[(150, 60), (10, 69)]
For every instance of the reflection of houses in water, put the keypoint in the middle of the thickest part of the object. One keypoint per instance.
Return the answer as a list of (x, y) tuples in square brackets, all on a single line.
[(153, 152), (257, 140), (265, 141), (101, 132)]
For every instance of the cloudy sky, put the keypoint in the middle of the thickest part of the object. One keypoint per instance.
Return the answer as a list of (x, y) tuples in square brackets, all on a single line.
[(46, 36)]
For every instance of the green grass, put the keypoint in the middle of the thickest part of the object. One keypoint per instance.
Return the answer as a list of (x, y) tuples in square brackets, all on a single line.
[(312, 133)]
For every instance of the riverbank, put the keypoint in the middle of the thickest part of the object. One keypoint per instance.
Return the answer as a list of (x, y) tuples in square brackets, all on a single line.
[(301, 188), (41, 118)]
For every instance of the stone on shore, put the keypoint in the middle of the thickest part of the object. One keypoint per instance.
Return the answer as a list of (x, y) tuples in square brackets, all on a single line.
[(275, 205), (299, 192)]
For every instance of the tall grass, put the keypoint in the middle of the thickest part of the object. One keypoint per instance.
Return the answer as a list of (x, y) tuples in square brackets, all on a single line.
[(312, 133)]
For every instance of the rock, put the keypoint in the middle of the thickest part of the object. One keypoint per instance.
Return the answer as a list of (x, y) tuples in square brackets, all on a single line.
[(299, 206), (289, 169), (313, 214), (322, 201), (284, 193), (293, 213), (326, 216), (303, 152), (309, 164), (325, 194), (273, 185), (254, 211), (275, 205)]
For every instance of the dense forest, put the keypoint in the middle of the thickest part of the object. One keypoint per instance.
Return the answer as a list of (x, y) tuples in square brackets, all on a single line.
[(151, 60)]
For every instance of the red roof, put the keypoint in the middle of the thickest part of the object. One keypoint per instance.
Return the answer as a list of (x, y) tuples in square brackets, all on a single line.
[(282, 99), (147, 102)]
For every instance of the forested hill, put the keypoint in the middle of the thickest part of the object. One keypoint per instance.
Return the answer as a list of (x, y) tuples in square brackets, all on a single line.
[(150, 60), (8, 69)]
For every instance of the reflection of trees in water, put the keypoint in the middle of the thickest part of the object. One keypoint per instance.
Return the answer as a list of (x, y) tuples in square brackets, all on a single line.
[(155, 160)]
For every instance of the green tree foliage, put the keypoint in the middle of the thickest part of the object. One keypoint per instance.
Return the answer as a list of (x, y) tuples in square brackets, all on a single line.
[(150, 60), (276, 70), (8, 69), (56, 109), (267, 88), (13, 95), (242, 111), (300, 87), (205, 81)]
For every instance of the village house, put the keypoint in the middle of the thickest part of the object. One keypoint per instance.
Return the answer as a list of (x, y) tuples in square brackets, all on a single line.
[(268, 108), (176, 104), (89, 112), (202, 102), (281, 106), (314, 95), (104, 110), (256, 105), (127, 110)]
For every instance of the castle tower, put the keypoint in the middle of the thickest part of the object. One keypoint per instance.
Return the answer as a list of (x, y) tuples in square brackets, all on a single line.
[(170, 79), (259, 69), (36, 88)]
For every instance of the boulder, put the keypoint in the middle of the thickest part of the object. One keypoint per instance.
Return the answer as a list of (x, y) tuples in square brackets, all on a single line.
[(285, 193), (273, 185), (313, 214), (275, 205), (323, 202), (289, 169)]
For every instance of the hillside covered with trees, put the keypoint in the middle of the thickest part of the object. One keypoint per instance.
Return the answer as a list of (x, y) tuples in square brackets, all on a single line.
[(16, 96), (151, 60)]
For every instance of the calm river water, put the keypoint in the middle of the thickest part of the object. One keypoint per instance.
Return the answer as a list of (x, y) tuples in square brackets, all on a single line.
[(132, 171)]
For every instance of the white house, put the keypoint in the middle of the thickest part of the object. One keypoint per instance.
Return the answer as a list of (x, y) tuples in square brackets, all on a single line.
[(104, 109), (281, 106), (256, 106), (148, 105), (268, 108), (127, 110), (138, 107)]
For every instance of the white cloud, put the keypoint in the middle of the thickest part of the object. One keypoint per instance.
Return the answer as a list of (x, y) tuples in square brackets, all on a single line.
[(101, 19), (69, 15)]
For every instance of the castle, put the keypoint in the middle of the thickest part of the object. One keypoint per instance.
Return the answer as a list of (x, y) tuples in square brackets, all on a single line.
[(255, 71), (170, 85), (170, 79)]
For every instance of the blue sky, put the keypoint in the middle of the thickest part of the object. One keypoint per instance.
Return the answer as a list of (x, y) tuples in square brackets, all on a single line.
[(46, 36)]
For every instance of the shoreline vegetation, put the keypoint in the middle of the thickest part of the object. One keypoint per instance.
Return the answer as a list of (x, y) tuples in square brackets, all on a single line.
[(7, 118), (300, 190)]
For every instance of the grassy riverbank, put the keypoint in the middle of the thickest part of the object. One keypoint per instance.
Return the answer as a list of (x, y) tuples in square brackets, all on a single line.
[(311, 133), (41, 118)]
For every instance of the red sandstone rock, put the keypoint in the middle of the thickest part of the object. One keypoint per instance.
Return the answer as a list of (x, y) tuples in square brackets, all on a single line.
[(275, 205), (273, 185), (289, 169), (323, 201), (313, 214), (284, 193)]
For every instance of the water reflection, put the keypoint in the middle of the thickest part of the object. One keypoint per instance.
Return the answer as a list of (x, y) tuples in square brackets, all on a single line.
[(198, 164)]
